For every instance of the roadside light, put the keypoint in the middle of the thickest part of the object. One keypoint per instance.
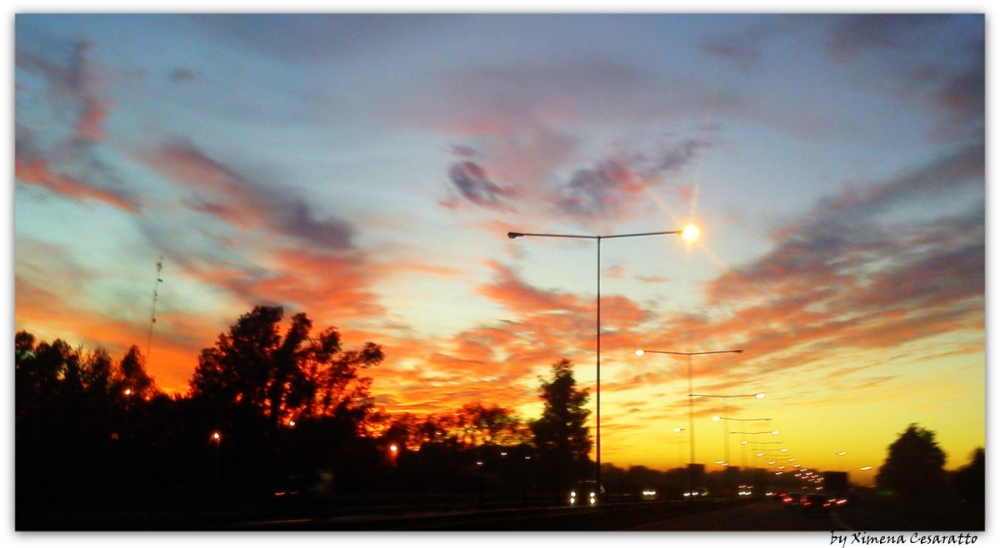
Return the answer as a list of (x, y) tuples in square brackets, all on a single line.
[(393, 448)]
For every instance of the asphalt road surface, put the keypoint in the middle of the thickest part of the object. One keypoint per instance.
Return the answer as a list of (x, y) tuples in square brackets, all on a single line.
[(767, 515)]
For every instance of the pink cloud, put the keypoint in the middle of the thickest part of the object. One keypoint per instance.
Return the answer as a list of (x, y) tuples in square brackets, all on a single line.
[(37, 172)]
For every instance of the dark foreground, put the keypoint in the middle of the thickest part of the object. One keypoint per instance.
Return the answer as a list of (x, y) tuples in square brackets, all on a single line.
[(703, 515)]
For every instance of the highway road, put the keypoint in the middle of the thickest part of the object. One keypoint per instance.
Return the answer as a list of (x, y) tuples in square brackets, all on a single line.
[(765, 515), (718, 515)]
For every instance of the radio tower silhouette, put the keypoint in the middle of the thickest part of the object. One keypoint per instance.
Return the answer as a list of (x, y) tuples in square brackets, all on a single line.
[(156, 292)]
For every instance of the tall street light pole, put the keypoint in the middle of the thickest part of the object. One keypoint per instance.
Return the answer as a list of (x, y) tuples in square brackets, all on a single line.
[(689, 233), (640, 352)]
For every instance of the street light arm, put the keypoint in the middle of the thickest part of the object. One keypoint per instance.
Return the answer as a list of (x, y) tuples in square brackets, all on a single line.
[(513, 235), (641, 351), (643, 234), (689, 233)]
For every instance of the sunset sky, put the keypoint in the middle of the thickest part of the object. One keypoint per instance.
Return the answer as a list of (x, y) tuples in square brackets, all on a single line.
[(366, 169)]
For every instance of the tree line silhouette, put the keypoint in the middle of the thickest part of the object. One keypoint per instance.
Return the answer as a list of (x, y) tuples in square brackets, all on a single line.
[(279, 416), (271, 414)]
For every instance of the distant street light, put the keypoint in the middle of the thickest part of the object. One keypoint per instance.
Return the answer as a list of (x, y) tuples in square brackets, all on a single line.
[(680, 459), (725, 408), (689, 233), (641, 352), (725, 425)]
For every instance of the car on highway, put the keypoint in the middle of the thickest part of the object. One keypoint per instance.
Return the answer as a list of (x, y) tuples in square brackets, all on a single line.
[(696, 492), (815, 503), (586, 493), (839, 500), (792, 499)]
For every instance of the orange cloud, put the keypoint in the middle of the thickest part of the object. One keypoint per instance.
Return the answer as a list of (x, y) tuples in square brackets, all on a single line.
[(37, 172)]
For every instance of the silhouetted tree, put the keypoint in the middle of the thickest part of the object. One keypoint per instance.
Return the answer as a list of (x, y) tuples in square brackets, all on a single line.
[(281, 378), (970, 480), (402, 429), (561, 435), (914, 467), (479, 425), (74, 434), (131, 379), (45, 375), (255, 382)]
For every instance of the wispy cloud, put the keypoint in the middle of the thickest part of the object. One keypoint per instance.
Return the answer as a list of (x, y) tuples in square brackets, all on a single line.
[(610, 188), (38, 172), (73, 80), (221, 191), (66, 161), (846, 277), (472, 183)]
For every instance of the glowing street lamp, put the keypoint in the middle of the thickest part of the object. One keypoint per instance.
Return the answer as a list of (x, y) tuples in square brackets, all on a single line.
[(689, 233)]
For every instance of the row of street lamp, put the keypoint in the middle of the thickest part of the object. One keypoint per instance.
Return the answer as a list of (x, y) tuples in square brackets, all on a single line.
[(689, 233)]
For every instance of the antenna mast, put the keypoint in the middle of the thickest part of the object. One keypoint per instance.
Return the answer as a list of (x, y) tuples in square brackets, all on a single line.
[(156, 291)]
